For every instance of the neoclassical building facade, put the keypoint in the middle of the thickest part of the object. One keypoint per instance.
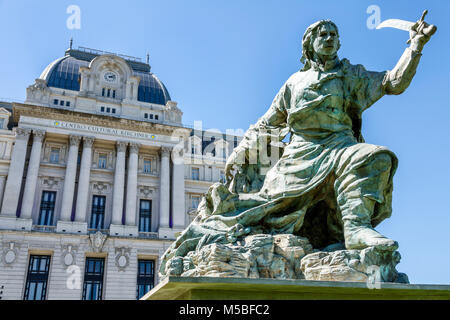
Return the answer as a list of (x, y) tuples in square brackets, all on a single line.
[(97, 177)]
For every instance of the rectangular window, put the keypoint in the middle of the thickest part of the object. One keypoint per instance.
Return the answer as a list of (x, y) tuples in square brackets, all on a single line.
[(145, 115), (113, 110), (36, 285), (151, 116), (97, 212), (195, 174), (102, 159), (145, 277), (114, 94), (156, 117), (108, 109), (47, 208), (147, 166), (102, 109), (145, 216), (2, 123), (61, 103), (67, 103), (93, 279), (109, 93), (103, 92), (54, 155), (55, 101), (195, 202)]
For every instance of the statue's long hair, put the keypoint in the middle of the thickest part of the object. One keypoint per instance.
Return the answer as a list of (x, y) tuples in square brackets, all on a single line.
[(307, 42)]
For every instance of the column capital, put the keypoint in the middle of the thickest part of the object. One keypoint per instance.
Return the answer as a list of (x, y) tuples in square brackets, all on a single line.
[(22, 133), (165, 151), (121, 146), (74, 140), (88, 142), (134, 147), (39, 135)]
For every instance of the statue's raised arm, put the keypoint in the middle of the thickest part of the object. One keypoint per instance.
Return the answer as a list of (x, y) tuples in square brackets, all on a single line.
[(399, 78)]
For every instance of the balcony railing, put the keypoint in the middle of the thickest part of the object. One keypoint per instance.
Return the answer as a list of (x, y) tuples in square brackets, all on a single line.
[(148, 235), (104, 231), (44, 228)]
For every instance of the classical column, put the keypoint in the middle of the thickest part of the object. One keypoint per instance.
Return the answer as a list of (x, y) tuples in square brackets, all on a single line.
[(178, 205), (164, 203), (32, 174), (119, 179), (15, 173), (130, 215), (83, 181), (69, 180)]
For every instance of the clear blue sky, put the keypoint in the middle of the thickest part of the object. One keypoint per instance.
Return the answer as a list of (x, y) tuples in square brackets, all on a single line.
[(224, 61)]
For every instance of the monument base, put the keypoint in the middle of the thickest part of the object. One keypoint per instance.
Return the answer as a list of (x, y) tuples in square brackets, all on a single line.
[(123, 230), (169, 233), (14, 223), (208, 288), (71, 227)]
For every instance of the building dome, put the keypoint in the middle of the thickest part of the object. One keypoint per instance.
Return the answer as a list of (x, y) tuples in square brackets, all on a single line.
[(64, 73)]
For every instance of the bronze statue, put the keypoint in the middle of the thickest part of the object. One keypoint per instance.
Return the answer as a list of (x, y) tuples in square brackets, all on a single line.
[(328, 186)]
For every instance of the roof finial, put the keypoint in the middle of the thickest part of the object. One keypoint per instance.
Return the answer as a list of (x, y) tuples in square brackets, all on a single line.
[(71, 43), (148, 58)]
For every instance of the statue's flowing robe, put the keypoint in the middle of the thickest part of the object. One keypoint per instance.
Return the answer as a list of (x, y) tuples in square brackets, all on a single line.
[(326, 155)]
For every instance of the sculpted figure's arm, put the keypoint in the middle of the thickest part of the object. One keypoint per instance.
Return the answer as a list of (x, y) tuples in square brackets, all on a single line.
[(399, 78)]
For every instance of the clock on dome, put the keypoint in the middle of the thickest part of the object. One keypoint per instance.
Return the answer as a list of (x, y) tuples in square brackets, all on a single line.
[(110, 77)]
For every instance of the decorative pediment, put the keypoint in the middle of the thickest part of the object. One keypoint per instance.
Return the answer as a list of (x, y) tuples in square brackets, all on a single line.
[(145, 191), (100, 187), (97, 241), (50, 182)]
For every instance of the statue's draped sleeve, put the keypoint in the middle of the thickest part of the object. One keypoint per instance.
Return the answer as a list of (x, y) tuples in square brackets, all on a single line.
[(366, 87), (399, 78)]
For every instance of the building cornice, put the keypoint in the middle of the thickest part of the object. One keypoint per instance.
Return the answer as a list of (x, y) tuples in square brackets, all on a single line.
[(20, 109)]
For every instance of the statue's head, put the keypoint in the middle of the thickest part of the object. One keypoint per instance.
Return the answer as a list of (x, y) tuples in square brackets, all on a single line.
[(320, 38)]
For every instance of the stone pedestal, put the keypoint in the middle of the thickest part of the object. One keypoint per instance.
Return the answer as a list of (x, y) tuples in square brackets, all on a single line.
[(13, 223), (123, 231), (169, 233), (208, 288), (71, 227)]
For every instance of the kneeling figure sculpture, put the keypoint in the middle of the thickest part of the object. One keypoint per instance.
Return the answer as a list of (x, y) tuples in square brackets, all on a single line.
[(312, 214)]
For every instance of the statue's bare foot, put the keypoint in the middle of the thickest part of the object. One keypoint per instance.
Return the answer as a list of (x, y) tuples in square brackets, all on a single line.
[(363, 237)]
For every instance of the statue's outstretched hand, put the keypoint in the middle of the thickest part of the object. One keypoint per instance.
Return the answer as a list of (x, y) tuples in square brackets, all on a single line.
[(420, 33)]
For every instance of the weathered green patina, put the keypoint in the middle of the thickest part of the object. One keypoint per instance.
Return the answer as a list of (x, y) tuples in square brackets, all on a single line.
[(328, 186)]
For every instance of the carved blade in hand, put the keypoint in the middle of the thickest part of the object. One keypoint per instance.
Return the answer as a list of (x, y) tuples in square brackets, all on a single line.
[(397, 24)]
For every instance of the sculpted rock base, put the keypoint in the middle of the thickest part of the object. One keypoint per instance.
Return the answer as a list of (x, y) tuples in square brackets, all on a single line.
[(367, 265), (286, 256)]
